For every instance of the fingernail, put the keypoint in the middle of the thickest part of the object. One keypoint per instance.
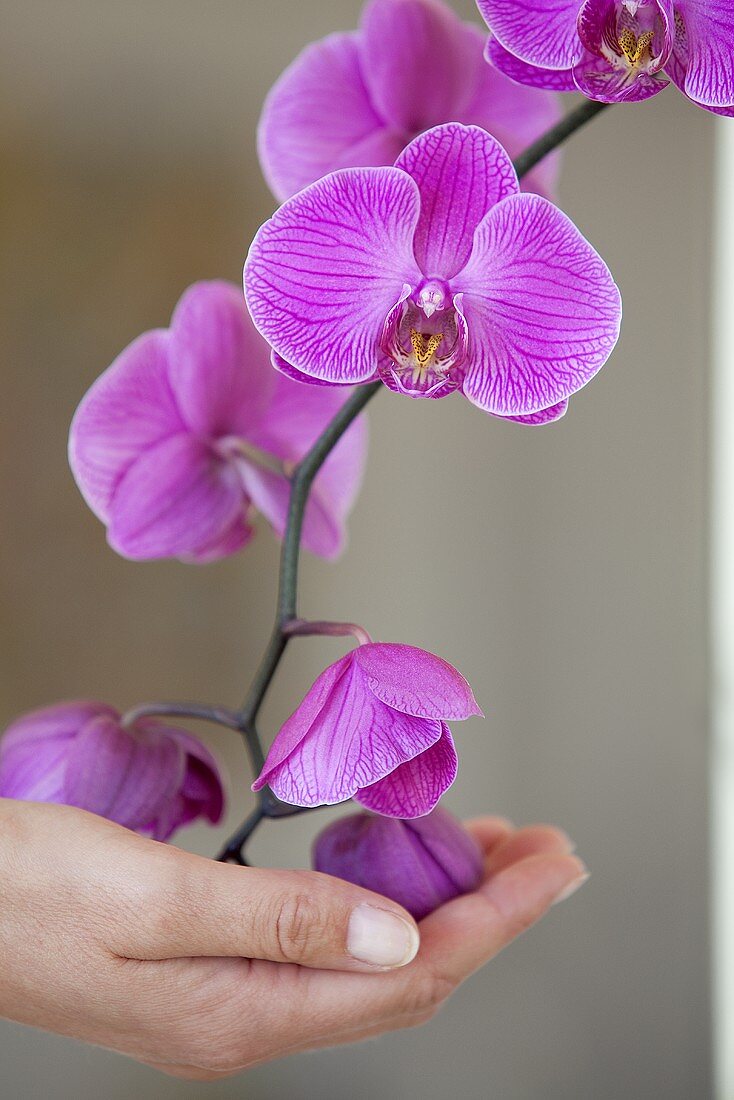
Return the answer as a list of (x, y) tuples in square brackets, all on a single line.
[(574, 885), (381, 938)]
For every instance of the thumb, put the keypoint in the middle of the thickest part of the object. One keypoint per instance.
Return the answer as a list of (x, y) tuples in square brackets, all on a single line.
[(303, 917)]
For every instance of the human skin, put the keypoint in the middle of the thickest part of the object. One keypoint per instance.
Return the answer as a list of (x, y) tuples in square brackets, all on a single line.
[(203, 969)]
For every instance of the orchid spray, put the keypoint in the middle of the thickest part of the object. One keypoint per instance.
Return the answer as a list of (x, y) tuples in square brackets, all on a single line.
[(418, 249)]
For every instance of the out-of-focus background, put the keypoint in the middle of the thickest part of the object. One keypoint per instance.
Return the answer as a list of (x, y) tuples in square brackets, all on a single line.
[(563, 569)]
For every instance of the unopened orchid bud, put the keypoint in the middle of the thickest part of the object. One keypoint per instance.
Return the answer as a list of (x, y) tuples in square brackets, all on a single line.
[(420, 863)]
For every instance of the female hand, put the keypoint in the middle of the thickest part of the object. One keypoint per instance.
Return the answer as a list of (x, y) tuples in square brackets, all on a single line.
[(202, 969)]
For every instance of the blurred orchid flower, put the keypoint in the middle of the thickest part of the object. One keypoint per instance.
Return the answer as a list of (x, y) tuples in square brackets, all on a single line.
[(435, 275), (149, 777), (358, 99), (372, 727), (191, 430), (617, 50)]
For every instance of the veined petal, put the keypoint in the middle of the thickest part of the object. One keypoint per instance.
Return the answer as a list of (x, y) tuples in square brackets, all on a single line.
[(542, 416), (353, 742), (604, 72), (543, 33), (414, 788), (554, 80), (219, 366), (130, 408), (286, 368), (126, 776), (296, 728), (302, 138), (595, 78), (322, 274), (704, 48), (542, 309), (461, 172), (416, 682), (175, 500), (415, 62)]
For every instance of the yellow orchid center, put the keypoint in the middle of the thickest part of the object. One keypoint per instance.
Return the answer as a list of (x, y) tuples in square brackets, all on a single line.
[(424, 347), (636, 49)]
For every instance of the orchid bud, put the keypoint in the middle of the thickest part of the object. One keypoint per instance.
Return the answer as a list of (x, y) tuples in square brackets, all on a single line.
[(373, 728), (420, 863), (149, 776)]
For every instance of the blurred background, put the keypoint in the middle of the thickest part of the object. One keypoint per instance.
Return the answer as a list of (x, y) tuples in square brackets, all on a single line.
[(563, 570)]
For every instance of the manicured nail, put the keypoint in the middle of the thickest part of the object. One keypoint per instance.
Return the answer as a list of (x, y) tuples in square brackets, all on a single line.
[(574, 885), (381, 938)]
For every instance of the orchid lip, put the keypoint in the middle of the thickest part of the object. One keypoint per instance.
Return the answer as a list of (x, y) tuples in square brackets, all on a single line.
[(628, 40), (424, 341)]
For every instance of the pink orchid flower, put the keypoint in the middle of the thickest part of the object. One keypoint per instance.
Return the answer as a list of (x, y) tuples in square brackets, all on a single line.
[(191, 430), (435, 275), (617, 50), (358, 99)]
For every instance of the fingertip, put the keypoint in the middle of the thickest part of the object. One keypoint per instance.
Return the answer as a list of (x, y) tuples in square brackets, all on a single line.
[(489, 831), (529, 841), (527, 889)]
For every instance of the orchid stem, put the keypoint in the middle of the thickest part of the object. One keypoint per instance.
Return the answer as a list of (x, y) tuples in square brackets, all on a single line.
[(220, 716), (554, 137), (287, 623), (305, 628)]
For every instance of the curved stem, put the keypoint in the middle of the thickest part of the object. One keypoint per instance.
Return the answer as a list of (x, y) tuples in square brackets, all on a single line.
[(307, 628), (554, 137), (287, 624), (220, 716)]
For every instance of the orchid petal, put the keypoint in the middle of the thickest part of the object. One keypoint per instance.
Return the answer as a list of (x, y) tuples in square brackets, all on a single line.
[(414, 788), (296, 728), (297, 416), (176, 499), (286, 368), (415, 682), (461, 172), (322, 274), (514, 115), (302, 138), (201, 793), (352, 741), (224, 544), (270, 493), (555, 80), (541, 305), (596, 79), (704, 48), (415, 62), (543, 33), (129, 408), (219, 367), (542, 416), (34, 749), (121, 774)]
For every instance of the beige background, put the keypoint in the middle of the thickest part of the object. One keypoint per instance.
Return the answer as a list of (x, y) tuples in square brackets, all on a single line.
[(562, 569)]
